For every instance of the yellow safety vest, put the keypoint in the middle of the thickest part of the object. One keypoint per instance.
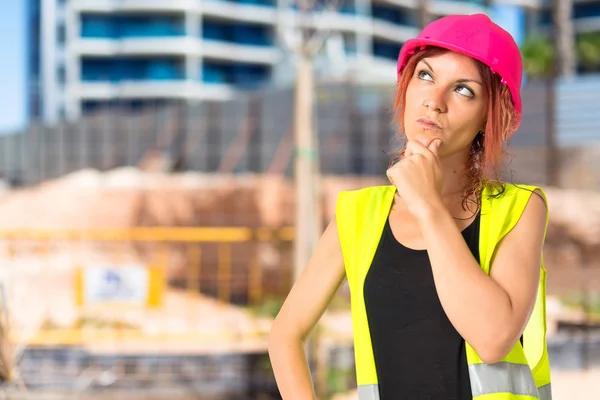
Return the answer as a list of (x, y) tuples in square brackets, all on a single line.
[(524, 374)]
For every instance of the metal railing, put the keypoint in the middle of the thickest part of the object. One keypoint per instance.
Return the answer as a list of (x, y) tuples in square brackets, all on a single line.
[(221, 263)]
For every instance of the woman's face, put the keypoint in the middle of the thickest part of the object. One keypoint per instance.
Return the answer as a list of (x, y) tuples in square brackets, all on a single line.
[(446, 99)]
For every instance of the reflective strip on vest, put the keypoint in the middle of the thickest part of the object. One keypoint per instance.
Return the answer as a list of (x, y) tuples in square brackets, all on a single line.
[(368, 392), (498, 378), (503, 377), (545, 392)]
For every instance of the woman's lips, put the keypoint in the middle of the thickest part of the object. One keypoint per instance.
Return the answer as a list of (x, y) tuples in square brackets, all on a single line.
[(427, 123)]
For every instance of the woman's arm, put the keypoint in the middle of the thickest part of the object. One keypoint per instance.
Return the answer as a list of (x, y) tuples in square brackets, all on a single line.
[(302, 309), (490, 312)]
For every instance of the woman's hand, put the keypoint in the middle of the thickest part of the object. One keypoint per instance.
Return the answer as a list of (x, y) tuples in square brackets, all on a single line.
[(302, 309), (418, 176)]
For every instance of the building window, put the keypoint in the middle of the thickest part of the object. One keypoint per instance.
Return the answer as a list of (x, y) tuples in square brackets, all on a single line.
[(242, 33), (347, 7), (257, 2), (95, 69), (545, 17), (61, 74), (350, 43), (385, 49), (115, 27), (586, 10), (61, 34), (394, 14), (242, 75)]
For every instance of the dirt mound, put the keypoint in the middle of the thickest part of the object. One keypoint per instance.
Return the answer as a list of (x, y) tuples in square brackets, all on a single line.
[(129, 197)]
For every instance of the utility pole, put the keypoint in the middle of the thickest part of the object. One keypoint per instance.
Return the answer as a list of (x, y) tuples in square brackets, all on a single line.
[(306, 166), (308, 218), (424, 17), (562, 64), (564, 37)]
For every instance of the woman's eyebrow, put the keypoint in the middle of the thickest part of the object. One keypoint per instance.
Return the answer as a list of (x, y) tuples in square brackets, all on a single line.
[(469, 81), (428, 66), (463, 80)]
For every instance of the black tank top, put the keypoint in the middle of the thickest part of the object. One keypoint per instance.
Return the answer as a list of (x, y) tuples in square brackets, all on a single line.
[(418, 352)]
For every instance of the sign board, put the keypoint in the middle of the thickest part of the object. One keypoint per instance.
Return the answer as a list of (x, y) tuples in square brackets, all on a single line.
[(122, 284)]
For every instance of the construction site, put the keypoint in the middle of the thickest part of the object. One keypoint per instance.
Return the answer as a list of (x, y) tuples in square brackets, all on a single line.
[(146, 253)]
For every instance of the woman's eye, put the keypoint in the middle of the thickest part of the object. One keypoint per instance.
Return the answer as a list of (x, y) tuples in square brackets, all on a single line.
[(465, 91), (425, 76)]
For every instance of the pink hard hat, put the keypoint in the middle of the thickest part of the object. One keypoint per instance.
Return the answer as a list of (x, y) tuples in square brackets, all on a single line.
[(478, 37)]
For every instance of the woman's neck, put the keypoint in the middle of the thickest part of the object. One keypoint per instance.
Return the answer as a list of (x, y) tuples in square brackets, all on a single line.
[(454, 174)]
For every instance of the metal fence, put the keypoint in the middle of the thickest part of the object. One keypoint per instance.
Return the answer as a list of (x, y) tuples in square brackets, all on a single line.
[(253, 133), (189, 341), (181, 342)]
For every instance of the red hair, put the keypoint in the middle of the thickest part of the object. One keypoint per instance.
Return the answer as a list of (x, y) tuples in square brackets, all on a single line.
[(488, 151)]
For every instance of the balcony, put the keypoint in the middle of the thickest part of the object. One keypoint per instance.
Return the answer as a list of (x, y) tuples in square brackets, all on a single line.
[(448, 7), (132, 90), (586, 25), (263, 3), (379, 70), (176, 46), (392, 32), (219, 92), (533, 4), (327, 20), (242, 53), (244, 10), (94, 90), (344, 22), (133, 5), (586, 17), (113, 34), (104, 91)]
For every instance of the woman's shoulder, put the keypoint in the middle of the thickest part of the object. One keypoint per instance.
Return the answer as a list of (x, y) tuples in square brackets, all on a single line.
[(515, 196), (370, 189), (366, 192), (367, 196), (501, 188)]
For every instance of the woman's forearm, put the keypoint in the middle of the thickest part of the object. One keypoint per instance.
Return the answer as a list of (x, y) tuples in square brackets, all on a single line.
[(475, 304), (290, 367)]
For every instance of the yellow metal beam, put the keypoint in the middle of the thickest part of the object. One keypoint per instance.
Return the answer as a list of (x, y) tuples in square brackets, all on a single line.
[(150, 234)]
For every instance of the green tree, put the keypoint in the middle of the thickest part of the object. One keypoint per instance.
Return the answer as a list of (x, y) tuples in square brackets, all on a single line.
[(538, 56), (588, 50), (564, 36)]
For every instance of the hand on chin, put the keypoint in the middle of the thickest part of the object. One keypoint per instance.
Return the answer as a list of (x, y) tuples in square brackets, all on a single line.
[(418, 176)]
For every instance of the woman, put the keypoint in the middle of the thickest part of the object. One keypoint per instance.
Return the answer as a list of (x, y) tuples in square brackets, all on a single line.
[(444, 265)]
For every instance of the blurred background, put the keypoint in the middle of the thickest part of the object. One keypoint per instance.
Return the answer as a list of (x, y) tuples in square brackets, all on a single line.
[(166, 168)]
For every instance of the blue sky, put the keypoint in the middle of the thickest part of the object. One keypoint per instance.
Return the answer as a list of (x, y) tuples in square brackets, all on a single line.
[(12, 65)]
